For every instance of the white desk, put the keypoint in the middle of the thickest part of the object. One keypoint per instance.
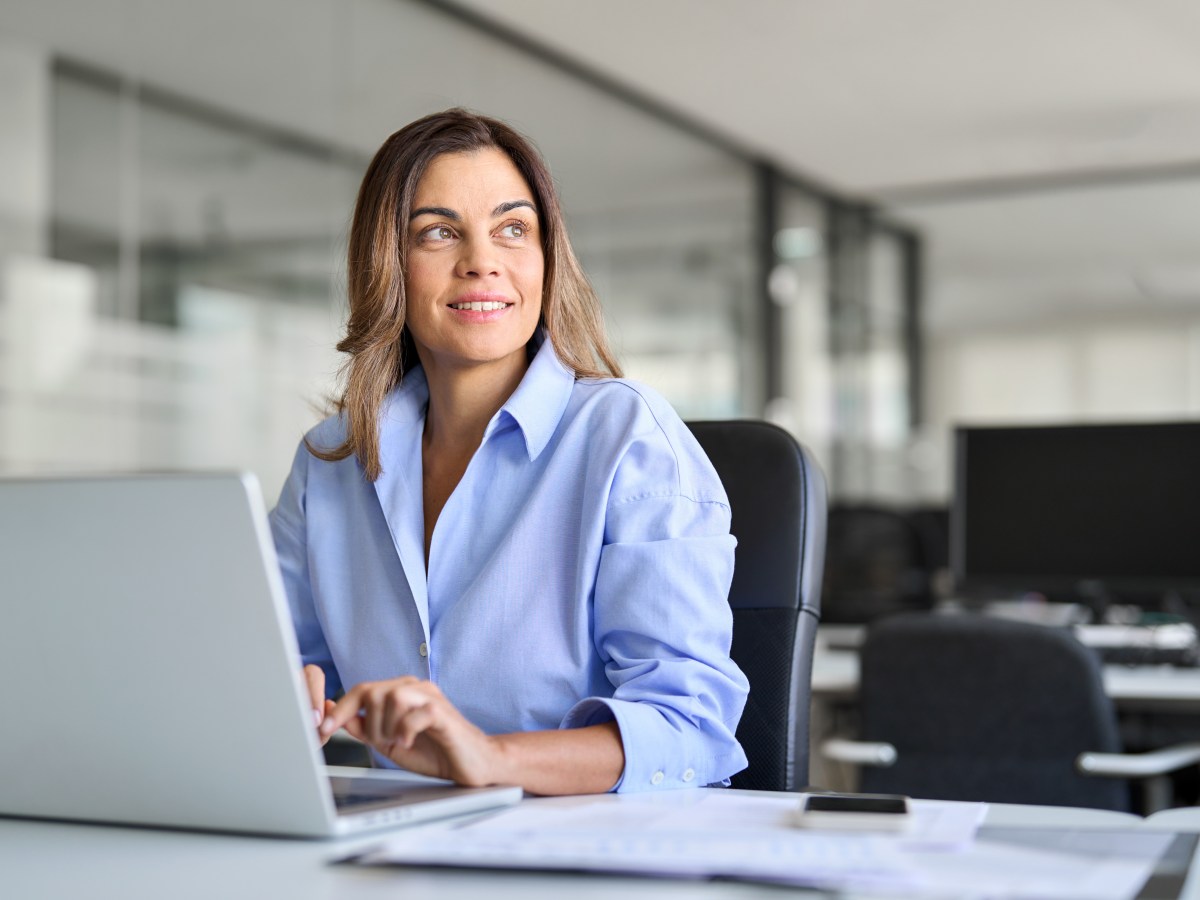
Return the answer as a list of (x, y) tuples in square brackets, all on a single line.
[(50, 860)]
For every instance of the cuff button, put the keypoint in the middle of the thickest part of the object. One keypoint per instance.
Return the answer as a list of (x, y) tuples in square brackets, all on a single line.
[(656, 778), (689, 774)]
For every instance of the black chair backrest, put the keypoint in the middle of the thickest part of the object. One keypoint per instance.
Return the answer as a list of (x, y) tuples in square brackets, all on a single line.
[(981, 708), (777, 494)]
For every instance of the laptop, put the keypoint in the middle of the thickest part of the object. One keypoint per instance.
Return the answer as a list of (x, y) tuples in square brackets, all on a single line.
[(146, 643)]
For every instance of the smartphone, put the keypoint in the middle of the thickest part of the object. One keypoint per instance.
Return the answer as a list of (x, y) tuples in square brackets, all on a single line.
[(855, 812)]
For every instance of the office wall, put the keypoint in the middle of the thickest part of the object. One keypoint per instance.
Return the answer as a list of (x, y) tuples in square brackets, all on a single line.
[(1101, 370), (24, 143), (171, 274), (179, 177), (1061, 302), (200, 163)]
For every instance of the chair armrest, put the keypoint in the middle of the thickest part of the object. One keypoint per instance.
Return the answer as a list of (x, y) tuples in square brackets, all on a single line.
[(876, 754), (1139, 765)]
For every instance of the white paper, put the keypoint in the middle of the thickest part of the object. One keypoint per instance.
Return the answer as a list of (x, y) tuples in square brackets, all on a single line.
[(698, 810), (703, 834), (783, 855), (943, 825), (935, 823)]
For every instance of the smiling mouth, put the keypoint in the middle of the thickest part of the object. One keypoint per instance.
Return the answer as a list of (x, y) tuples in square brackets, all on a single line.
[(481, 305)]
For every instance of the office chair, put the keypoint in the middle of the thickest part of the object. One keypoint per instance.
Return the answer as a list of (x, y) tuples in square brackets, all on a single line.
[(968, 707), (777, 494)]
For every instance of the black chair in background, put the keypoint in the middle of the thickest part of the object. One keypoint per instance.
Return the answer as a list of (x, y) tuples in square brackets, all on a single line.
[(933, 525), (777, 494), (969, 707), (879, 561)]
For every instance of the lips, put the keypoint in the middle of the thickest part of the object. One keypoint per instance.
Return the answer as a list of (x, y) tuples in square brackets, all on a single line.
[(480, 308)]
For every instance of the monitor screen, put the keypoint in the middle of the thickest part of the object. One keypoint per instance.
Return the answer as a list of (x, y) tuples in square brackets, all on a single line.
[(1050, 508)]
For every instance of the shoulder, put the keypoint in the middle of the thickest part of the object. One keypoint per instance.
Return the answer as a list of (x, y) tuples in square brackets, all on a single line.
[(328, 433), (648, 440), (622, 401)]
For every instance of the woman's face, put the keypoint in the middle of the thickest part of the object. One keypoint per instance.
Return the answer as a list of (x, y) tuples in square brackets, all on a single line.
[(475, 263)]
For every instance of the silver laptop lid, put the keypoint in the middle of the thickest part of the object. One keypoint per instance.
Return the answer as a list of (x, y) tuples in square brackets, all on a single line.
[(143, 623)]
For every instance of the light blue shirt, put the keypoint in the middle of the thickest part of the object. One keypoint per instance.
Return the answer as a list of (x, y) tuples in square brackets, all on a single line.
[(578, 573)]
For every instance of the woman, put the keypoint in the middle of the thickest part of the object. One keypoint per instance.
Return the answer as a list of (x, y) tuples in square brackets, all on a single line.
[(515, 563)]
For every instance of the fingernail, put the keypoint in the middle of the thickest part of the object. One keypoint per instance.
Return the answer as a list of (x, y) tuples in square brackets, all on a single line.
[(326, 727), (318, 717)]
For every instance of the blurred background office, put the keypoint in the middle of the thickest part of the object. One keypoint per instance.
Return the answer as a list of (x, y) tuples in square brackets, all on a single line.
[(866, 221)]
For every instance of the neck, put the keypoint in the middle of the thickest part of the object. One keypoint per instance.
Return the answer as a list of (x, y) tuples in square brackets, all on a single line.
[(462, 400)]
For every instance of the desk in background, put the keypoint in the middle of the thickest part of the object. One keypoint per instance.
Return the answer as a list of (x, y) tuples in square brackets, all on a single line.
[(1165, 688)]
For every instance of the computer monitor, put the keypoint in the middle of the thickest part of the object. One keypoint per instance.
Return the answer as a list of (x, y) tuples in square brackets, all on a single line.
[(1077, 511)]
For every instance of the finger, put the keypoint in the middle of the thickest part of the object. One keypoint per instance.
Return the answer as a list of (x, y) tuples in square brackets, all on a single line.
[(344, 710), (314, 677), (373, 714), (390, 707), (355, 729), (319, 715), (417, 721), (367, 699)]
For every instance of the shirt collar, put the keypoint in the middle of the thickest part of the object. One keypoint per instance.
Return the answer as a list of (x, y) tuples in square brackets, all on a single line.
[(538, 403), (536, 406)]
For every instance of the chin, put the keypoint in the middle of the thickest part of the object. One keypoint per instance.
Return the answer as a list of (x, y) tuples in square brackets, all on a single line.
[(478, 355)]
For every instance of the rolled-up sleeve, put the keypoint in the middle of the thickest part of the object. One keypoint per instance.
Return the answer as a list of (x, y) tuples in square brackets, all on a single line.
[(663, 625)]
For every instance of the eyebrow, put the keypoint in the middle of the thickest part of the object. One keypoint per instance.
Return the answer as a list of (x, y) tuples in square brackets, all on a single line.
[(511, 205), (435, 211), (447, 213)]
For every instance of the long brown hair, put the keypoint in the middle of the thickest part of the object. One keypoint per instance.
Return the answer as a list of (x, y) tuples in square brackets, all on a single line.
[(377, 338)]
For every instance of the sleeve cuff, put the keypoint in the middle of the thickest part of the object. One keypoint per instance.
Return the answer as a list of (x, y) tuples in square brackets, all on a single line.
[(659, 754)]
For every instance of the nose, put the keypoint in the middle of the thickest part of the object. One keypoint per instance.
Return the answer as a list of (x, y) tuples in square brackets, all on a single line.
[(477, 259)]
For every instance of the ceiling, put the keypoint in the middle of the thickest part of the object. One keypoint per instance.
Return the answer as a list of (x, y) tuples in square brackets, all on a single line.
[(1050, 152), (871, 95)]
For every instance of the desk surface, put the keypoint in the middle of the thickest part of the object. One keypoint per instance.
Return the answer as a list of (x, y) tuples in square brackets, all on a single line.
[(52, 860), (835, 676)]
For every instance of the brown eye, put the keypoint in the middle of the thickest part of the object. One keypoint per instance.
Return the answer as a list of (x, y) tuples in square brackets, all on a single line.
[(436, 234), (515, 230)]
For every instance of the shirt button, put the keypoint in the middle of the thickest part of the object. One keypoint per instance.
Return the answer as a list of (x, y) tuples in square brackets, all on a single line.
[(656, 778), (689, 774), (423, 649)]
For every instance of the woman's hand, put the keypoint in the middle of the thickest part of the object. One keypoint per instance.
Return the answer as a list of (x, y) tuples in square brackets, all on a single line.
[(412, 723), (314, 677)]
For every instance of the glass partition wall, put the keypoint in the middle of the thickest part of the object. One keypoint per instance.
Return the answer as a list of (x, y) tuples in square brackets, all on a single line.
[(171, 271)]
